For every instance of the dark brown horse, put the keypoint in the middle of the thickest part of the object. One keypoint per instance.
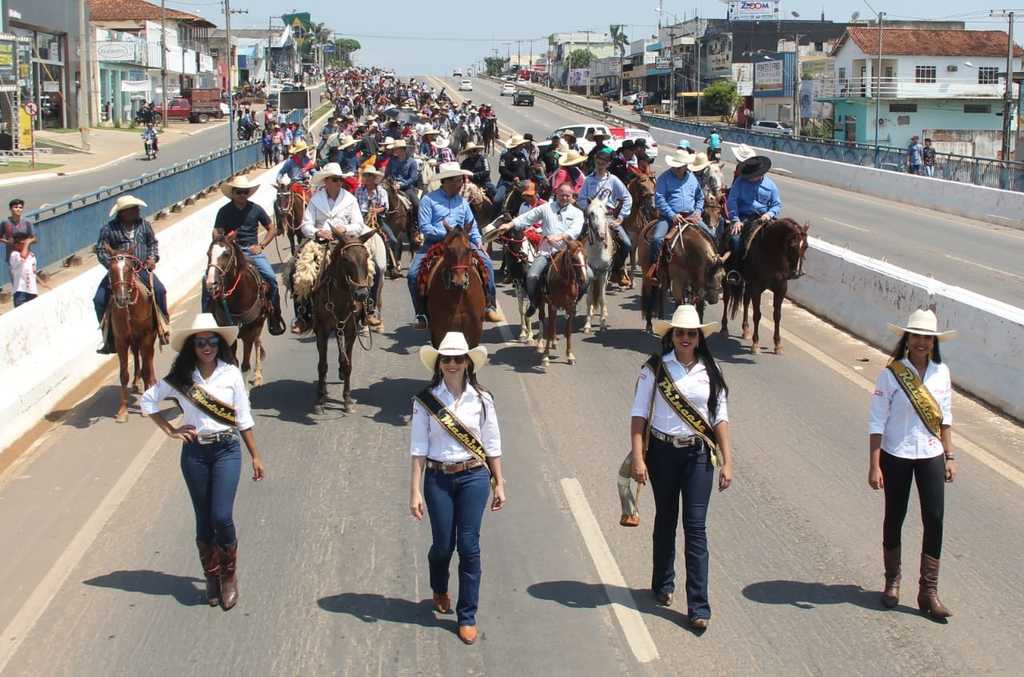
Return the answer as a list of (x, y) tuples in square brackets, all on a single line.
[(289, 209), (564, 279), (239, 296), (455, 291), (399, 217), (644, 213), (133, 321), (776, 253), (339, 300), (489, 133)]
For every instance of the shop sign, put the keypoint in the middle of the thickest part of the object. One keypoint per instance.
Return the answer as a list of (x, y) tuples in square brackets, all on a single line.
[(113, 50)]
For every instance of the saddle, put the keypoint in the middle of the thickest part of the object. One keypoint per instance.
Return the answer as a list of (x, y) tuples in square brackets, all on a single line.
[(432, 264), (751, 229), (308, 269)]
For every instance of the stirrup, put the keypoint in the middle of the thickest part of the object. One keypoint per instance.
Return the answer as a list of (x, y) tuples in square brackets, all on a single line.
[(734, 278)]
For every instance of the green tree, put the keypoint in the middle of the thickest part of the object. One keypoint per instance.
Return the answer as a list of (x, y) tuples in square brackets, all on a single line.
[(580, 58), (343, 48), (721, 97), (619, 39), (495, 65)]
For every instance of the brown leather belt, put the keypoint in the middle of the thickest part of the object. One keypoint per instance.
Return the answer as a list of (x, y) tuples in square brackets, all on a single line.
[(677, 442), (453, 468)]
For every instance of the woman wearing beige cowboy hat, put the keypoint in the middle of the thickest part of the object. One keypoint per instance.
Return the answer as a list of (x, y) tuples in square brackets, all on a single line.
[(679, 457), (570, 171), (910, 438), (454, 466), (209, 389)]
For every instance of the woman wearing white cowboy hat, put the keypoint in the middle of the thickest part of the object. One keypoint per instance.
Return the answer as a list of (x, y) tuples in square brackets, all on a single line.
[(372, 198), (912, 438), (210, 391), (455, 477), (677, 459)]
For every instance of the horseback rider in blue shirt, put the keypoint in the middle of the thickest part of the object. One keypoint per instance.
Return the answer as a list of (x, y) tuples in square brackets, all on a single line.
[(602, 184), (679, 198), (405, 172), (753, 197)]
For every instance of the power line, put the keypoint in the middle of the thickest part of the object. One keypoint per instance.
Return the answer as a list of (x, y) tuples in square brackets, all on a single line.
[(435, 38)]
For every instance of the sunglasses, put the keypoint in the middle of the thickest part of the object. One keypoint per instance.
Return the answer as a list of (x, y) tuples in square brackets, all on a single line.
[(212, 342), (334, 179), (457, 359), (688, 333)]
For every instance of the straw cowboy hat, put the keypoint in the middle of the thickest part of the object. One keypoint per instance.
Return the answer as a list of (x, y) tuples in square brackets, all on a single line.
[(448, 170), (126, 202), (755, 167), (203, 323), (700, 162), (372, 171), (515, 141), (490, 232), (571, 159), (453, 344), (923, 321), (680, 158), (743, 152), (298, 147), (330, 170), (399, 143), (441, 142), (470, 147), (685, 317), (346, 141), (430, 131), (239, 182), (389, 143)]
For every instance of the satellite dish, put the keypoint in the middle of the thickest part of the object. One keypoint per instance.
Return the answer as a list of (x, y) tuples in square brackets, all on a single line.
[(854, 16)]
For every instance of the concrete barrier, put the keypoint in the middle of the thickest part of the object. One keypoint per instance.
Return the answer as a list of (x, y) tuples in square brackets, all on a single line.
[(48, 346), (862, 295)]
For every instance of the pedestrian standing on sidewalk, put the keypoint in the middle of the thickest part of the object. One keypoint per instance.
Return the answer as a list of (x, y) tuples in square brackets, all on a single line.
[(23, 269), (456, 459), (679, 433), (267, 144), (928, 157), (910, 438), (915, 155), (15, 224), (210, 391)]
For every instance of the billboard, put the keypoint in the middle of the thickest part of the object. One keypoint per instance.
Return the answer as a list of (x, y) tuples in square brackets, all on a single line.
[(769, 78), (292, 100), (719, 55), (743, 76), (752, 10), (578, 77)]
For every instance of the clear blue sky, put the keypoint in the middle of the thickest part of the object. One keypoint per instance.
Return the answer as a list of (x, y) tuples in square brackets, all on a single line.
[(432, 38)]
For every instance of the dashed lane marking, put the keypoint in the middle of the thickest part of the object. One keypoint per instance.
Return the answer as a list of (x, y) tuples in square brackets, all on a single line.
[(847, 225)]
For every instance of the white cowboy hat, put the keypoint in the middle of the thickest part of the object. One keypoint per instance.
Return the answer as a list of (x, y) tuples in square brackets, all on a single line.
[(441, 142), (680, 158), (514, 141), (240, 182), (470, 147), (126, 202), (447, 170), (346, 141), (685, 317), (331, 169), (490, 232), (203, 323), (700, 162), (923, 321), (399, 143), (389, 142), (372, 171), (571, 159), (299, 146), (453, 343), (743, 152), (430, 130)]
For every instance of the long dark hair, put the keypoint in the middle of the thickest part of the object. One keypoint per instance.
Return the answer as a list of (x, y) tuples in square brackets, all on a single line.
[(468, 377), (900, 351), (715, 378), (180, 375)]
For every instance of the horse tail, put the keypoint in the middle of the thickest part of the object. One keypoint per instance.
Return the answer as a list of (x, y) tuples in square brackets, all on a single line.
[(735, 298)]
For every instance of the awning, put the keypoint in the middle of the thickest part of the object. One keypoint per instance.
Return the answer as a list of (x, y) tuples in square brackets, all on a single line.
[(654, 47)]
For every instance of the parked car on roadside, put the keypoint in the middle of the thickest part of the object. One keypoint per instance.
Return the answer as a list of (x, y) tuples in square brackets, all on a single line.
[(772, 127)]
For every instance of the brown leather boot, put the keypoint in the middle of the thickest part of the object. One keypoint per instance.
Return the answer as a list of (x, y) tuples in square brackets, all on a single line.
[(928, 592), (228, 579), (467, 633), (442, 603), (891, 594), (210, 558)]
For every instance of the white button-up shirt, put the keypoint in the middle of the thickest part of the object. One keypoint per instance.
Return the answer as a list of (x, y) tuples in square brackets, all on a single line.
[(342, 214), (695, 385), (475, 411), (225, 383), (895, 419), (554, 220)]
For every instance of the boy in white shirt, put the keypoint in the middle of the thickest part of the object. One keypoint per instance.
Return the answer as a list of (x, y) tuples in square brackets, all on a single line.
[(23, 270)]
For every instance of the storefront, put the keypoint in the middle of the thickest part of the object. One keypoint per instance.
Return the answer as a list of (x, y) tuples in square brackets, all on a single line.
[(121, 73)]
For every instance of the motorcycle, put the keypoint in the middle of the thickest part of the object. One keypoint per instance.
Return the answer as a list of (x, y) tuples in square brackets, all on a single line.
[(150, 148)]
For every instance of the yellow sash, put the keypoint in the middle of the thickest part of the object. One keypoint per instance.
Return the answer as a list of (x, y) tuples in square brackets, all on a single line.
[(689, 413), (217, 410), (920, 397), (454, 427)]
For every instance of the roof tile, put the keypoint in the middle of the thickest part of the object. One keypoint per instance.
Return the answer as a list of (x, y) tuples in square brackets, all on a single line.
[(931, 42)]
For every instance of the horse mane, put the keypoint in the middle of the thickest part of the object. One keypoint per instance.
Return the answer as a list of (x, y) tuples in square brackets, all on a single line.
[(473, 193)]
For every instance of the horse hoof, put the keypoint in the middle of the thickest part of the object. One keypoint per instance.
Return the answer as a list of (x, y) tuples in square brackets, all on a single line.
[(347, 408), (754, 349), (318, 409), (586, 329)]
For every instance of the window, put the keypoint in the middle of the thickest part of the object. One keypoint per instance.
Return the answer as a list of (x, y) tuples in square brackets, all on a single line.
[(983, 108), (924, 74), (902, 107), (988, 75), (842, 73)]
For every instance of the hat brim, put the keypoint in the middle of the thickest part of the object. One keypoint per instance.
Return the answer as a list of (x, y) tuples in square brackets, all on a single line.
[(742, 156), (178, 338), (662, 327), (759, 165), (226, 188), (940, 335), (698, 166), (451, 175), (571, 163), (429, 355), (133, 202), (672, 162)]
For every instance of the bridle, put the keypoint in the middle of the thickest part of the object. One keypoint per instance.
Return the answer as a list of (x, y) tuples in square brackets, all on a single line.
[(129, 288), (217, 291)]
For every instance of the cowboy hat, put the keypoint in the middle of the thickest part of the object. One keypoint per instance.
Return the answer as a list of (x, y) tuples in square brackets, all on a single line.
[(389, 143), (469, 147), (448, 170), (743, 152), (571, 159), (441, 142), (430, 131), (923, 322), (239, 182), (298, 147), (514, 141), (453, 344), (755, 167), (126, 202), (700, 162), (399, 143), (568, 132), (680, 158), (372, 171), (330, 170), (346, 141), (203, 323), (490, 232), (685, 317)]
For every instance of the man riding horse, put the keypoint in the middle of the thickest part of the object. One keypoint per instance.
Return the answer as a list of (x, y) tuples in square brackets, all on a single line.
[(404, 171), (602, 184), (297, 168), (373, 204), (679, 199), (440, 211), (753, 200), (477, 164), (127, 231), (513, 167)]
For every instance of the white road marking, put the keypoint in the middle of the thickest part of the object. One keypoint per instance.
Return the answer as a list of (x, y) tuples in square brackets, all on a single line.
[(848, 225), (984, 267), (36, 604), (622, 602)]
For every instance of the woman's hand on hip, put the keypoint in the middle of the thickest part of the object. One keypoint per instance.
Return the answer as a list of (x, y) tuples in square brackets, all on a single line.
[(186, 433), (875, 479), (499, 500), (416, 506), (725, 477)]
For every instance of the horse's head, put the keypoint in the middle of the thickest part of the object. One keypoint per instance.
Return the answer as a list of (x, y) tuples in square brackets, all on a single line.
[(352, 259), (458, 258), (796, 246), (598, 232), (123, 272), (221, 263), (641, 189), (715, 277)]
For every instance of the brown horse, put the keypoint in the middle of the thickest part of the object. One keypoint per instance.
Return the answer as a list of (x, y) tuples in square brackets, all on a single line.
[(776, 253), (489, 133), (399, 217), (239, 296), (132, 317), (644, 213), (289, 209), (689, 267), (455, 291), (565, 276), (339, 300)]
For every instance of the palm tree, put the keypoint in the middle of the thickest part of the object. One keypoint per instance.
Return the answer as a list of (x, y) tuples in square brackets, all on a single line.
[(620, 42)]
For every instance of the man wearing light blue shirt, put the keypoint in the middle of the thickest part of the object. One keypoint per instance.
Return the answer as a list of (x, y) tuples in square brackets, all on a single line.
[(678, 197), (604, 185), (753, 197)]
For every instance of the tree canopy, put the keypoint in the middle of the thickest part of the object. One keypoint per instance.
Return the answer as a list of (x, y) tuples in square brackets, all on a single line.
[(721, 97), (580, 58)]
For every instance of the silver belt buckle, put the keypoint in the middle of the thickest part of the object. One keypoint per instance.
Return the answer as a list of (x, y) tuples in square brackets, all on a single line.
[(678, 442)]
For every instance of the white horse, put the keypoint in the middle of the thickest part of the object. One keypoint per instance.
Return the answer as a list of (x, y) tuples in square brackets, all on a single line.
[(600, 246)]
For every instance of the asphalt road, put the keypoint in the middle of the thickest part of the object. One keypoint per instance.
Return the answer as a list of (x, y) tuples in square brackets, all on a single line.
[(101, 576), (981, 257)]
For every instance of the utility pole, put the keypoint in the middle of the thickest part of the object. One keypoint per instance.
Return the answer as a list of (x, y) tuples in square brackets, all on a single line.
[(270, 28), (590, 64), (796, 85), (671, 72), (163, 63), (1007, 99), (696, 40), (878, 88), (519, 54), (231, 100), (84, 77)]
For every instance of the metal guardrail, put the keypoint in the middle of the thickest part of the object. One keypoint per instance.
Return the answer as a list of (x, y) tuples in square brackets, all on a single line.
[(596, 113), (65, 228), (965, 169)]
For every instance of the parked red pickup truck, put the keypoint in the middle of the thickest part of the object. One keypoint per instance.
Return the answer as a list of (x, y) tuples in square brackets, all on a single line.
[(196, 105)]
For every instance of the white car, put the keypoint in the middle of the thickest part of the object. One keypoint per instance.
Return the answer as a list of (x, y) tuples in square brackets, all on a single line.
[(772, 127), (652, 145), (466, 86), (457, 73), (582, 131), (508, 89)]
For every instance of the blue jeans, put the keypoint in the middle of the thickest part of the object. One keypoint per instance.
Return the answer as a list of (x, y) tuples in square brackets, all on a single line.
[(266, 271), (211, 474), (686, 471), (534, 275), (455, 505), (500, 193), (625, 246), (21, 297), (420, 304), (99, 301)]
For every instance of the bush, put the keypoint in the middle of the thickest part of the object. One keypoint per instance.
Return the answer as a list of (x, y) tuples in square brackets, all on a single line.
[(721, 97)]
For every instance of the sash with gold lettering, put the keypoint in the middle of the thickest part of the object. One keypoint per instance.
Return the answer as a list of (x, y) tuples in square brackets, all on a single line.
[(454, 427), (685, 410), (920, 397), (210, 405)]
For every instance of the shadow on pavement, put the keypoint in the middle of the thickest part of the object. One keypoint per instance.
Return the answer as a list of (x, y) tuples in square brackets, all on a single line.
[(808, 595), (580, 595), (392, 397), (730, 349), (102, 404), (371, 608), (292, 399), (406, 339), (635, 340), (522, 358), (149, 582)]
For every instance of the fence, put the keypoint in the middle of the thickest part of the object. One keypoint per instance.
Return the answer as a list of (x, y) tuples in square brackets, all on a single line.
[(67, 227), (978, 171)]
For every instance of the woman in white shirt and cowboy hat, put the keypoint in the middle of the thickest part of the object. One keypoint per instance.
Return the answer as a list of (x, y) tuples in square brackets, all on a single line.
[(456, 464), (910, 437), (210, 391), (681, 454)]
